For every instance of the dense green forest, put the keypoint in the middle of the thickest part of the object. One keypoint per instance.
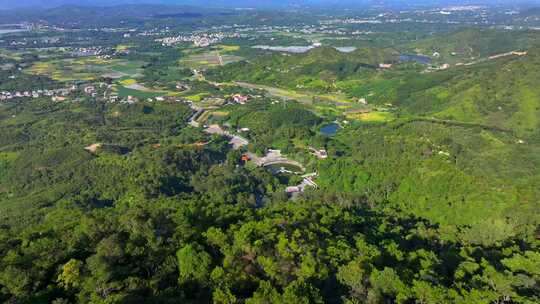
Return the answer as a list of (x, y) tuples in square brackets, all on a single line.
[(150, 217)]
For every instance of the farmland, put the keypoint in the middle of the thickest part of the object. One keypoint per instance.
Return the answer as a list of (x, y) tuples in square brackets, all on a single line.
[(85, 69), (208, 59)]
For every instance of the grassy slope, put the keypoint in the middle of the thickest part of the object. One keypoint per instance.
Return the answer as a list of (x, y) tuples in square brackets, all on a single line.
[(474, 43), (503, 93)]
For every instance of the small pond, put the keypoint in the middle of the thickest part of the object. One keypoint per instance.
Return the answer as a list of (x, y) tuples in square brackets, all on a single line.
[(346, 49), (330, 129)]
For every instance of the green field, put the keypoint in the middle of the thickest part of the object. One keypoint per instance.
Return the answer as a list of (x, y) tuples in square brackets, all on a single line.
[(86, 68), (125, 92)]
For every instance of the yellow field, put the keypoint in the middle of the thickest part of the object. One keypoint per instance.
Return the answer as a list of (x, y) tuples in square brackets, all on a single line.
[(220, 113), (10, 55), (371, 117), (128, 82), (229, 48), (204, 117), (197, 97), (92, 60), (41, 68), (122, 47)]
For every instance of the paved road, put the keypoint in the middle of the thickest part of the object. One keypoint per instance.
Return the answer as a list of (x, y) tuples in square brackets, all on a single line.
[(236, 141)]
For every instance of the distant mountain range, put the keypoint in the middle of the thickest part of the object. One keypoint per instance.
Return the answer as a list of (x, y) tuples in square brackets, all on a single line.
[(9, 4)]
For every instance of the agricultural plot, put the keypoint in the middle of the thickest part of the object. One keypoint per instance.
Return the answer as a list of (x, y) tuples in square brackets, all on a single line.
[(142, 94), (371, 117), (85, 69), (123, 47), (131, 87), (10, 55), (208, 59), (228, 48), (197, 97), (377, 90), (331, 104)]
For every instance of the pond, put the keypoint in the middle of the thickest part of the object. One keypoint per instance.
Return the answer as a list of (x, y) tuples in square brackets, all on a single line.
[(300, 49), (330, 129), (346, 49), (288, 49), (416, 58)]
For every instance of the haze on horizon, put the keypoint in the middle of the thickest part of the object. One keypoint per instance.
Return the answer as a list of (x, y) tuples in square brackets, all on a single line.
[(10, 4)]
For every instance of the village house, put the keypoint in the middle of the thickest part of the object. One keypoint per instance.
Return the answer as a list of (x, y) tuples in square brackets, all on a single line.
[(131, 99), (240, 99), (182, 87), (245, 158), (444, 66), (319, 153), (89, 89), (293, 189), (113, 98), (58, 98)]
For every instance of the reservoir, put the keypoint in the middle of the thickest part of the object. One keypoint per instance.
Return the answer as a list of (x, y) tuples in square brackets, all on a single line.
[(300, 49)]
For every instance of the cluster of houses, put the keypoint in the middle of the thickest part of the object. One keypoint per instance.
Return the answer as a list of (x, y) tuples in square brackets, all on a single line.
[(200, 40), (53, 93), (307, 182), (56, 95), (87, 51), (197, 40), (99, 52)]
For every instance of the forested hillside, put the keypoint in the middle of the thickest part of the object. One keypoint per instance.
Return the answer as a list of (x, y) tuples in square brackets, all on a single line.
[(318, 70), (150, 217)]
